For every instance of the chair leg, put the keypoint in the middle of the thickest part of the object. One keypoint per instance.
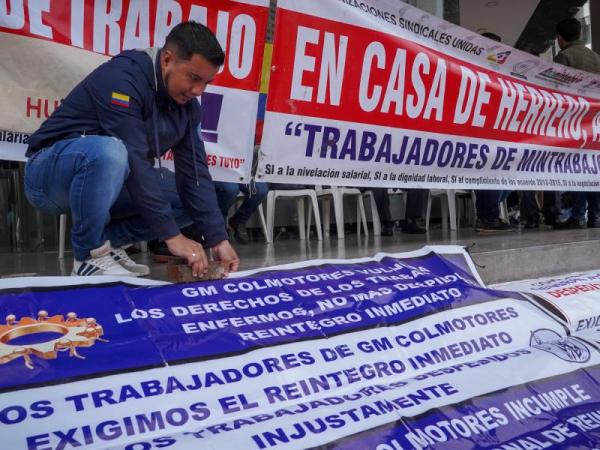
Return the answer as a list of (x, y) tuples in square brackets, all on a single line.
[(301, 222), (326, 217), (504, 211), (338, 208), (451, 195), (315, 207), (428, 211), (271, 198), (374, 215), (358, 221), (361, 217), (473, 210), (62, 234), (444, 205), (263, 225)]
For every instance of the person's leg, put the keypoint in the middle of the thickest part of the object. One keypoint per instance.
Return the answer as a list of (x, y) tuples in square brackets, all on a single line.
[(578, 207), (488, 211), (255, 194), (503, 195), (530, 209), (226, 195), (127, 227), (551, 206), (414, 207), (382, 202), (84, 175), (593, 201), (487, 204), (415, 199)]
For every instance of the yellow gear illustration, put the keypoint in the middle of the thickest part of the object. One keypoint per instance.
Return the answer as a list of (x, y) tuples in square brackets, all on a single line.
[(74, 332)]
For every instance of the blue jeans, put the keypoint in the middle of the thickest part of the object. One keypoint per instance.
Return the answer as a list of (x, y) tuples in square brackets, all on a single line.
[(86, 176), (227, 193), (579, 202), (488, 203)]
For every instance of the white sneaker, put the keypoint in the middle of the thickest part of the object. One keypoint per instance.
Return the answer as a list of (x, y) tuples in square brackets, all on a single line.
[(100, 262), (121, 256)]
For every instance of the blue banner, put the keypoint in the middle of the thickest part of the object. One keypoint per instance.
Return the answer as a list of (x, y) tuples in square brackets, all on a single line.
[(394, 352)]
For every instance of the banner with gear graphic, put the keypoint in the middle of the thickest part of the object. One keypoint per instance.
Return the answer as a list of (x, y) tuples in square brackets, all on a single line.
[(398, 351)]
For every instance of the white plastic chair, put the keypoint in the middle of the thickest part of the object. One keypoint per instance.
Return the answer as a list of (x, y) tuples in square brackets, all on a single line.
[(299, 195), (261, 215), (337, 194), (399, 192), (375, 213), (504, 211), (448, 203)]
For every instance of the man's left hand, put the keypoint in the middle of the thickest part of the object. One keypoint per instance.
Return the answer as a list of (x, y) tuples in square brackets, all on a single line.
[(226, 255)]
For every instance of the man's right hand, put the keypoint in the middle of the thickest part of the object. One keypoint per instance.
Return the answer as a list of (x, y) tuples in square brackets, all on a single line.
[(194, 253)]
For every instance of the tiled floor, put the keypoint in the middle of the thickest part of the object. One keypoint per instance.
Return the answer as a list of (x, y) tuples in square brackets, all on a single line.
[(259, 254)]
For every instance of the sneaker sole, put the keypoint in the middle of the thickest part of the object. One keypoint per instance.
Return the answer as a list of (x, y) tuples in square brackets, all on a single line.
[(143, 273), (487, 230), (130, 274)]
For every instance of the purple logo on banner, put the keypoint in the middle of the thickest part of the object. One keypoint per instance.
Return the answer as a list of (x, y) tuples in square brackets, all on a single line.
[(211, 113), (566, 348)]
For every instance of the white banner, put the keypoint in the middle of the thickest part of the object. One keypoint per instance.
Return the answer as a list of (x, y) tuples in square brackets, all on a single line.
[(49, 47), (374, 93), (395, 352), (573, 298)]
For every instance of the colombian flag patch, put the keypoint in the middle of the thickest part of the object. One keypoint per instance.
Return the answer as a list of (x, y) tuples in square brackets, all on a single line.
[(119, 99)]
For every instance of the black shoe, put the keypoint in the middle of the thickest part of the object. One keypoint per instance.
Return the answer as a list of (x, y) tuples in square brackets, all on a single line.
[(595, 223), (387, 229), (531, 224), (240, 233), (411, 227), (571, 224), (492, 225)]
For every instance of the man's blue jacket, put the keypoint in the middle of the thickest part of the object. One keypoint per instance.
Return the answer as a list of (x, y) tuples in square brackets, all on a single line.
[(126, 98)]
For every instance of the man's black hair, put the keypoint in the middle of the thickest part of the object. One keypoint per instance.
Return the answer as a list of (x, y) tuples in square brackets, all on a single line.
[(189, 38), (569, 29)]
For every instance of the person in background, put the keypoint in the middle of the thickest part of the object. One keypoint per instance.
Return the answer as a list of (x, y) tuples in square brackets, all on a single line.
[(575, 54), (530, 210), (415, 199), (488, 201), (414, 207), (254, 194), (94, 156), (227, 193)]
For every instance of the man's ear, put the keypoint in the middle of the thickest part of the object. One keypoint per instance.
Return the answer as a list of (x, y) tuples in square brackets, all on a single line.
[(167, 57)]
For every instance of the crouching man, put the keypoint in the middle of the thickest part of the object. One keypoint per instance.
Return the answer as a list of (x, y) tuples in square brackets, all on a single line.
[(95, 157)]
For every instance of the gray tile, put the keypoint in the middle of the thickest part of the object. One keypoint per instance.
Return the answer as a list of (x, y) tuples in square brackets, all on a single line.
[(503, 257)]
